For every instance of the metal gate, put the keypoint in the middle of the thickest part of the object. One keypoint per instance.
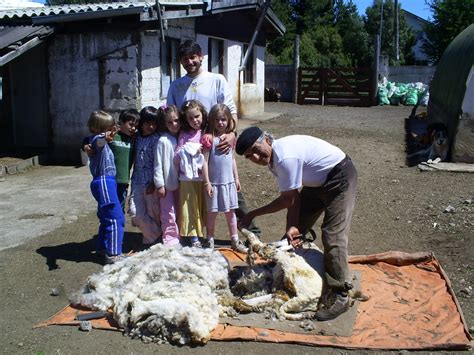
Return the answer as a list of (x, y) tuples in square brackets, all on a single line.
[(336, 86)]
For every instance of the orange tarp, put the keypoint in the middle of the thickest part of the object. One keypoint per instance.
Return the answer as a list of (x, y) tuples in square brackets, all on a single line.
[(411, 306)]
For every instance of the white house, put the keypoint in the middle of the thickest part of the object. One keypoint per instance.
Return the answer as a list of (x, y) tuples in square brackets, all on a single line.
[(60, 63), (417, 24)]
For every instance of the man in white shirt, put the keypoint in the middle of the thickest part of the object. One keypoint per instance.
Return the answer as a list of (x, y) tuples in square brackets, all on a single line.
[(209, 89), (313, 177)]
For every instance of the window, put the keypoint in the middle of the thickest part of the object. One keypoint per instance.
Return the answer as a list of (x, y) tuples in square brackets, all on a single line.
[(215, 62), (249, 72), (170, 66)]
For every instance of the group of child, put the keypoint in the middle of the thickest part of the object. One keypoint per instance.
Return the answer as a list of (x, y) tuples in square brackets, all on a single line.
[(180, 179)]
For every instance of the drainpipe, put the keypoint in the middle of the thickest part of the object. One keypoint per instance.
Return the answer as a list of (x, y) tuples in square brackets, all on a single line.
[(255, 34), (160, 20)]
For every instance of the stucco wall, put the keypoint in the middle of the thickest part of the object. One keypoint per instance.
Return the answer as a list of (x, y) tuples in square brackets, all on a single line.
[(411, 74), (252, 93), (282, 78), (248, 97), (75, 85)]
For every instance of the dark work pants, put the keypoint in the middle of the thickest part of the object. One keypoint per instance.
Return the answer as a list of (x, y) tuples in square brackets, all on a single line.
[(336, 198), (243, 210)]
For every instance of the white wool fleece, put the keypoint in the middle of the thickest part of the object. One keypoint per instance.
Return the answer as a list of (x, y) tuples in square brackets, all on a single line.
[(168, 293)]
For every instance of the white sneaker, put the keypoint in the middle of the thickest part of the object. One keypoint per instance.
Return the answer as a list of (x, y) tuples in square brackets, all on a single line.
[(238, 246), (196, 244), (112, 259), (209, 243)]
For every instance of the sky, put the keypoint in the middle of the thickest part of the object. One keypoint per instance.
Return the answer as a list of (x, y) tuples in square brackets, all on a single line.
[(417, 7)]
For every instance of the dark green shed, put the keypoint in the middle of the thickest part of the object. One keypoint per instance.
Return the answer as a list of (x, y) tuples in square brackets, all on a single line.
[(452, 95)]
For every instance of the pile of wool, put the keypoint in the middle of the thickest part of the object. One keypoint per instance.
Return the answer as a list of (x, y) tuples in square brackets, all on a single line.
[(164, 294)]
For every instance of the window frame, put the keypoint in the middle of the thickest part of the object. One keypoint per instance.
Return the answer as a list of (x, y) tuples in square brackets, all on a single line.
[(170, 64), (249, 71), (215, 62)]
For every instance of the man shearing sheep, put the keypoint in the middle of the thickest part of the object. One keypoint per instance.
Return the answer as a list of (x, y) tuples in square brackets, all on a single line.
[(313, 177)]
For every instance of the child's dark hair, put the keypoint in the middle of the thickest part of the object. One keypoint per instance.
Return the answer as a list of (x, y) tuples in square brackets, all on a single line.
[(148, 114), (189, 47), (163, 112), (129, 115), (188, 105), (211, 119)]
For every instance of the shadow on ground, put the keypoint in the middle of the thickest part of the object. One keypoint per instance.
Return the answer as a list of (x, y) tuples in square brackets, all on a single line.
[(84, 251)]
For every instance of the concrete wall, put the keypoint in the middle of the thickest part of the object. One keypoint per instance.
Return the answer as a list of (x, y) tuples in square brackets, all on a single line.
[(411, 74), (113, 71), (282, 78), (75, 87), (150, 71), (119, 82)]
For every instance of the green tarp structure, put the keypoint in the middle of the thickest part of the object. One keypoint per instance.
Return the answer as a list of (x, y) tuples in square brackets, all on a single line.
[(448, 86)]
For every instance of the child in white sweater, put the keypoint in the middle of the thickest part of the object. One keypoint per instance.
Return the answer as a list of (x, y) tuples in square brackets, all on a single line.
[(166, 172)]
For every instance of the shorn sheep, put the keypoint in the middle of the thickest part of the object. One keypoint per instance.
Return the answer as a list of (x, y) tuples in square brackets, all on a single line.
[(292, 274), (177, 294)]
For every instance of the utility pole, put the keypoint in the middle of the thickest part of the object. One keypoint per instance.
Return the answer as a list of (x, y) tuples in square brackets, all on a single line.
[(381, 24), (296, 66), (396, 34)]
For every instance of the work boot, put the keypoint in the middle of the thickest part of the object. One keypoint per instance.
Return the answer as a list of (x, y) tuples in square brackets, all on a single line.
[(332, 306), (239, 247)]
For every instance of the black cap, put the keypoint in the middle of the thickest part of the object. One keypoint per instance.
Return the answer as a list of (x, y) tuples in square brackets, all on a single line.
[(247, 138)]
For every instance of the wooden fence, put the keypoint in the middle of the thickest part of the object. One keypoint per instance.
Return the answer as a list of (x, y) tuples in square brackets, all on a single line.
[(336, 86)]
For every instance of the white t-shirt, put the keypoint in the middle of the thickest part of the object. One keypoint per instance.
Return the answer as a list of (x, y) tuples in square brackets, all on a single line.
[(208, 88), (300, 160)]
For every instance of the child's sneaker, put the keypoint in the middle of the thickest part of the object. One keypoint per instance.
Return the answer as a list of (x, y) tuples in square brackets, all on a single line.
[(196, 244), (238, 246), (112, 259), (209, 243)]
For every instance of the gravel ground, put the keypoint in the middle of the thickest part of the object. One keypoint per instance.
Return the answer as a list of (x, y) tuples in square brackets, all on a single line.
[(398, 208)]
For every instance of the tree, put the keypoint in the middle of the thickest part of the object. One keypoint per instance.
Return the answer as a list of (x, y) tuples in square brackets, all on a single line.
[(350, 27), (406, 36), (450, 17), (322, 44)]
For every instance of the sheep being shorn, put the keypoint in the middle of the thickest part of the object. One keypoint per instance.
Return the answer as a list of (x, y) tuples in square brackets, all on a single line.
[(293, 274), (163, 294)]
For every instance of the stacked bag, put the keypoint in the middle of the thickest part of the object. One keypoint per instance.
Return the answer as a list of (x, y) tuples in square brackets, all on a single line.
[(390, 93)]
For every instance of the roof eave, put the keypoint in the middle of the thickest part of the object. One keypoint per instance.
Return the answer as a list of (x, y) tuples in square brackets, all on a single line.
[(89, 15)]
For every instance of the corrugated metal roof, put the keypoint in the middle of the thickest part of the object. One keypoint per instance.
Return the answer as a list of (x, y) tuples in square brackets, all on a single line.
[(16, 40), (173, 9), (11, 35), (70, 9), (139, 6)]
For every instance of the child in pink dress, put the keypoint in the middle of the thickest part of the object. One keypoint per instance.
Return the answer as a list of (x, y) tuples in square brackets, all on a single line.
[(166, 173), (221, 180), (188, 156)]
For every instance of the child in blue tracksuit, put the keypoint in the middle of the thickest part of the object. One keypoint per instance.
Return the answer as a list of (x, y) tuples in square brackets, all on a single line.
[(104, 187)]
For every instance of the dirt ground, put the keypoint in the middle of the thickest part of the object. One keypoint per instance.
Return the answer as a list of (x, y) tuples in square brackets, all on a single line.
[(398, 208)]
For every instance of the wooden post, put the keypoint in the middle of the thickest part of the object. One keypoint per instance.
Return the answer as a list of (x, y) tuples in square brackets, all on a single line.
[(375, 70), (296, 66)]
